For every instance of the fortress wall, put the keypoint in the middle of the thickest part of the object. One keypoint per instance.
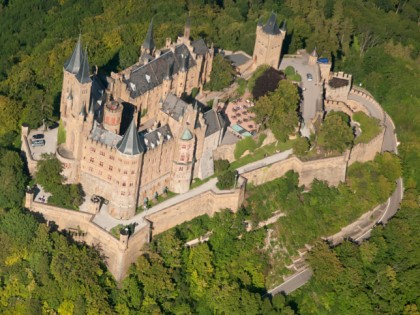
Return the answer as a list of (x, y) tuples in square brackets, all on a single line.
[(366, 95), (332, 170), (364, 152), (337, 106), (208, 203), (27, 152)]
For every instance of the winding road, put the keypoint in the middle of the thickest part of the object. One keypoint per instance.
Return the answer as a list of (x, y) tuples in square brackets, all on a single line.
[(391, 206)]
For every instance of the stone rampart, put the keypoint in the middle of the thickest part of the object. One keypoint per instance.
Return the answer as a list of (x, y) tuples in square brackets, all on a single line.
[(332, 170), (364, 152), (367, 96), (337, 106), (26, 151), (208, 203)]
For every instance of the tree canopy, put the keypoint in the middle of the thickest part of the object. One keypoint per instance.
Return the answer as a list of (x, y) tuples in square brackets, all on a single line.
[(278, 110)]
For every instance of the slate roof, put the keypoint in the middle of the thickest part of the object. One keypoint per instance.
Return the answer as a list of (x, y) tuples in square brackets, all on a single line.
[(271, 26), (336, 83), (174, 107), (238, 59), (130, 143), (146, 77), (214, 122), (83, 73), (73, 63), (158, 136), (200, 47), (104, 136)]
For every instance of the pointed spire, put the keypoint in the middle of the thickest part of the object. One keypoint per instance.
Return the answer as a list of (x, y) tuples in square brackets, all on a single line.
[(73, 64), (187, 28), (130, 143), (283, 27), (271, 26), (83, 73), (148, 42)]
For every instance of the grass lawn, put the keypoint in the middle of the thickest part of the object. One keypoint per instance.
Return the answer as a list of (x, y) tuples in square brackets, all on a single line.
[(262, 152), (115, 231), (154, 202), (61, 136), (369, 126)]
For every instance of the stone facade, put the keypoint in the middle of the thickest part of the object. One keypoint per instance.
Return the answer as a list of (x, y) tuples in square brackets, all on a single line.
[(268, 43), (125, 158)]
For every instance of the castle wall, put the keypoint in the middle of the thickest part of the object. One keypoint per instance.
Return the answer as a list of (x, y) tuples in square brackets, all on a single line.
[(208, 203), (225, 152), (341, 93), (364, 152), (332, 170)]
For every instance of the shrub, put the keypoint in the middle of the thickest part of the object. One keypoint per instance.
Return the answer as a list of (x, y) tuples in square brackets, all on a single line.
[(220, 166), (226, 180)]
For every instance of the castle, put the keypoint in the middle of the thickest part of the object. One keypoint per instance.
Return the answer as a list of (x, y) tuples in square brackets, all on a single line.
[(131, 137)]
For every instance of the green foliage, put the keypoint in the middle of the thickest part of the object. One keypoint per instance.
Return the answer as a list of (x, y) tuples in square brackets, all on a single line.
[(292, 75), (336, 133), (13, 179), (267, 82), (222, 74), (220, 166), (50, 178), (301, 146), (278, 110), (257, 73), (242, 83), (243, 145), (369, 126), (10, 112), (61, 135), (226, 179)]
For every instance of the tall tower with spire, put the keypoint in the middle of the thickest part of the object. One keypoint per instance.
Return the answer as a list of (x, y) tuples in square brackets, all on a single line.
[(75, 100), (148, 45), (269, 42), (130, 151)]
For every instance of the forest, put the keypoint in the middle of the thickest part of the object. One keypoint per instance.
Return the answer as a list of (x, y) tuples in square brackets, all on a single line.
[(44, 272)]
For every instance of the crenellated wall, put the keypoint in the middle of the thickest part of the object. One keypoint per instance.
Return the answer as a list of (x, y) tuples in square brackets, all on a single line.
[(364, 152)]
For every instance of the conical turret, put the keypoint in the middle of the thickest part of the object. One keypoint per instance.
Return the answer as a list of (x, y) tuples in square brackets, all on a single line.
[(130, 143), (83, 73), (73, 64), (271, 26)]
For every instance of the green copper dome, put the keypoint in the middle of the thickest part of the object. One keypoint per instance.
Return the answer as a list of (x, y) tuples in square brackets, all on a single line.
[(186, 135)]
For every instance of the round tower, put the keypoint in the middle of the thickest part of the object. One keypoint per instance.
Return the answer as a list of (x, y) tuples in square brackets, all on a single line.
[(112, 116)]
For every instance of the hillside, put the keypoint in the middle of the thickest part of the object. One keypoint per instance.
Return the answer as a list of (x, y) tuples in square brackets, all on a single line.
[(43, 272)]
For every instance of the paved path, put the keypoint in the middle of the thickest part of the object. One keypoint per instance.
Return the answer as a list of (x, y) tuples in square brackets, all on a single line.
[(107, 222), (312, 90), (293, 282)]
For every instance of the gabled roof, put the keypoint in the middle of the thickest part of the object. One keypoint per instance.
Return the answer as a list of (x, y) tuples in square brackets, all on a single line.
[(157, 137), (174, 106), (271, 26), (200, 47), (130, 143), (73, 64), (146, 77), (149, 42), (83, 73), (214, 122)]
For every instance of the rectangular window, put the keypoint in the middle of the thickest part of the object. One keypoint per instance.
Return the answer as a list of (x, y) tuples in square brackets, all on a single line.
[(101, 163), (92, 160), (92, 149), (111, 168), (90, 169), (111, 157), (109, 177), (102, 153)]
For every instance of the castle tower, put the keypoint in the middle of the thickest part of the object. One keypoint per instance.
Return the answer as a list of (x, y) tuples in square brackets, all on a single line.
[(183, 162), (130, 151), (148, 46), (112, 116), (268, 43), (313, 57)]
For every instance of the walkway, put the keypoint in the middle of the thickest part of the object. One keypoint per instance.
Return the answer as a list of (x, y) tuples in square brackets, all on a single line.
[(106, 221)]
